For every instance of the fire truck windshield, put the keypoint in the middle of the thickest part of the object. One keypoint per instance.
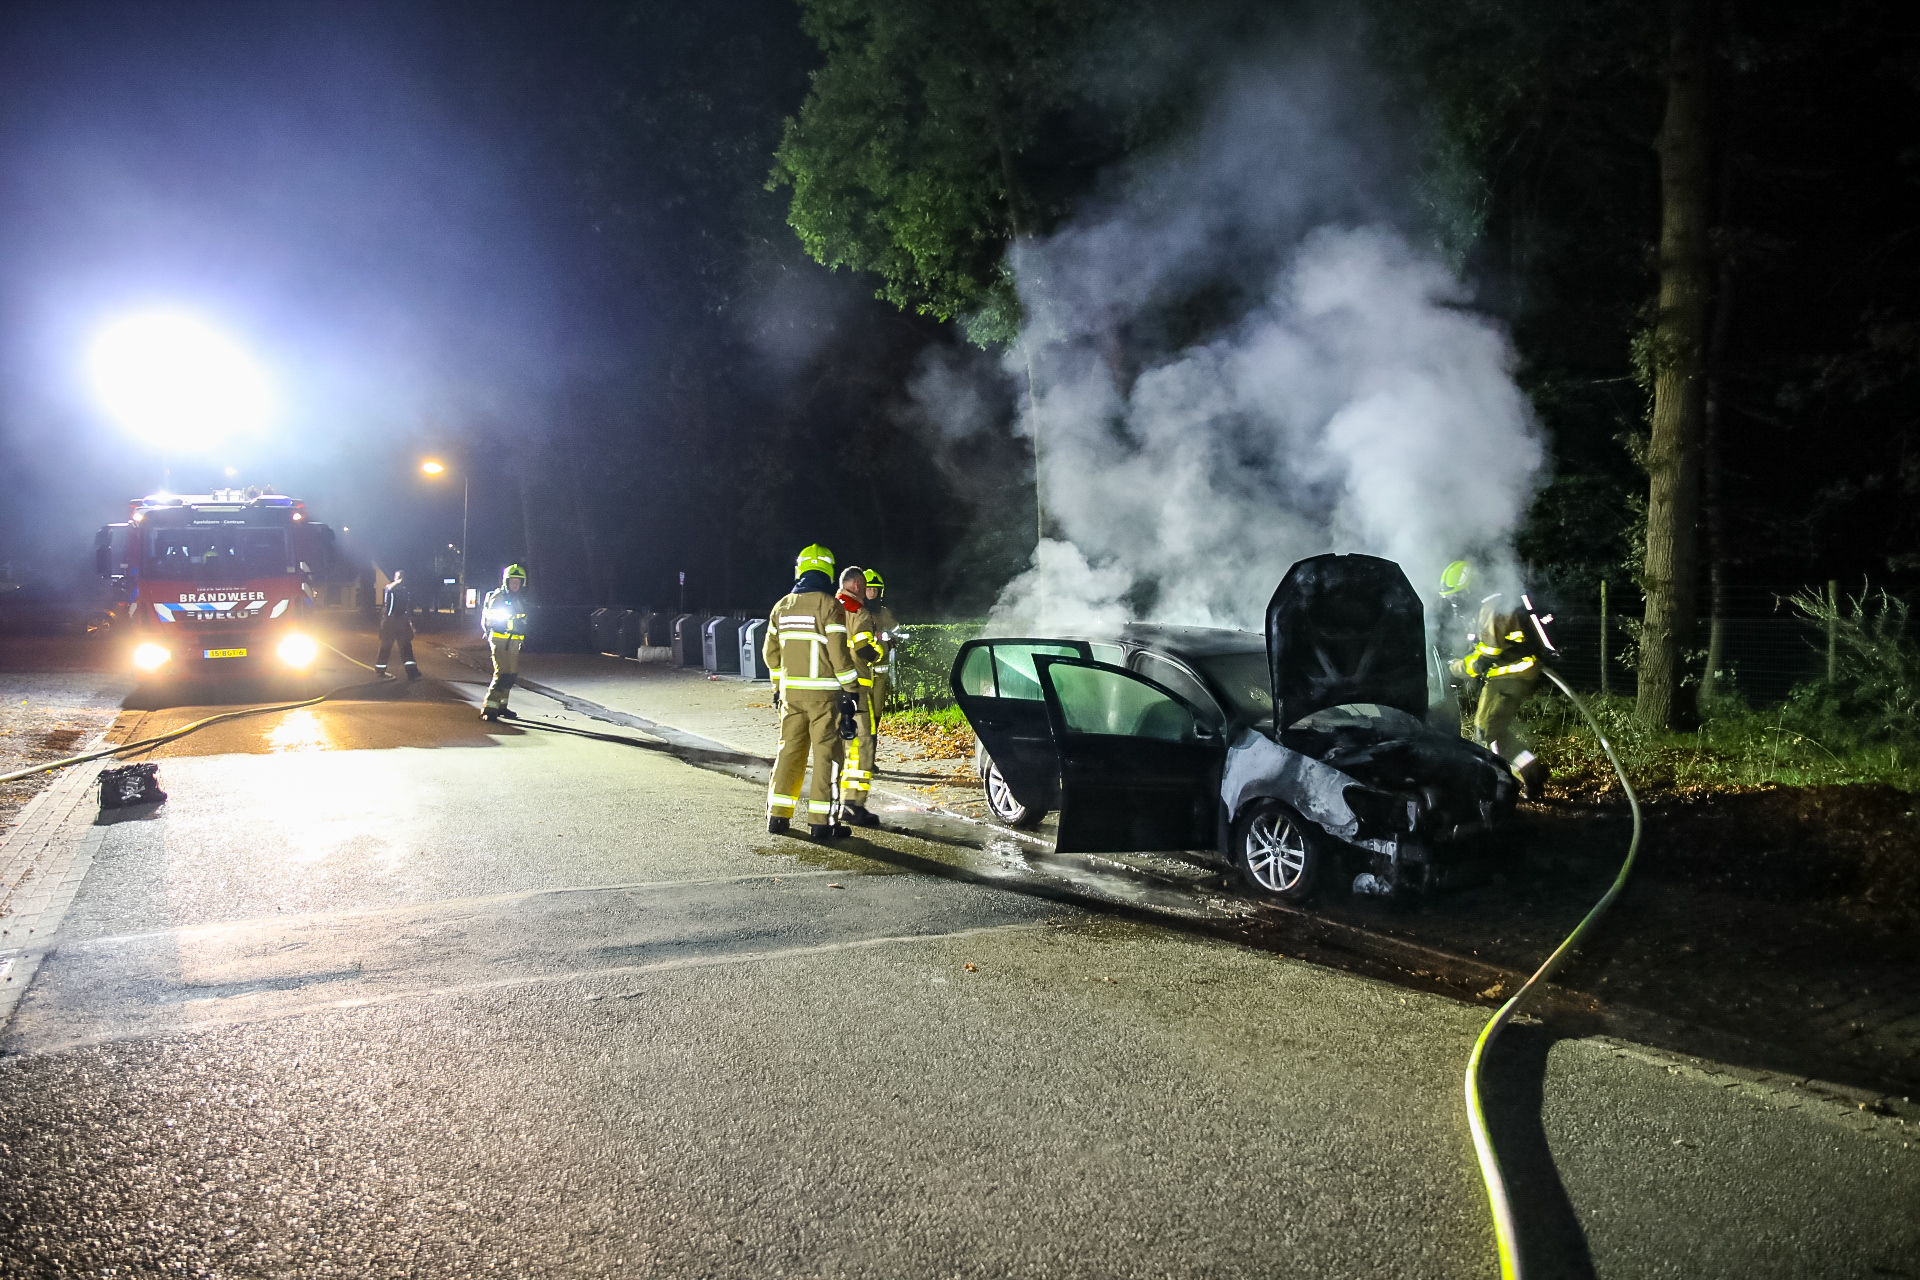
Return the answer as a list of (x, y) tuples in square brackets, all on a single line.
[(216, 557)]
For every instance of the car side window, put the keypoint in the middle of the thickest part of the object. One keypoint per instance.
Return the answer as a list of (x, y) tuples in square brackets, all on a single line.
[(976, 674), (1111, 654), (1014, 671), (1100, 700), (1178, 679)]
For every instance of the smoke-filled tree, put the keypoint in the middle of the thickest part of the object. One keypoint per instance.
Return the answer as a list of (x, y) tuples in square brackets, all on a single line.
[(936, 133)]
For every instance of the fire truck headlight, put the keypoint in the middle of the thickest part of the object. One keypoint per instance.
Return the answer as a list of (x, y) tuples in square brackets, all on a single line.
[(298, 651), (150, 657)]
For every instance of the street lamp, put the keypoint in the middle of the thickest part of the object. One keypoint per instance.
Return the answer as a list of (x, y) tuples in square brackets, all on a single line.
[(433, 467)]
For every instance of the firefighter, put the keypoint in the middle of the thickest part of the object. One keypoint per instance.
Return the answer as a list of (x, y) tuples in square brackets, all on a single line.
[(889, 637), (863, 645), (1454, 631), (396, 626), (811, 667), (504, 619), (1506, 657)]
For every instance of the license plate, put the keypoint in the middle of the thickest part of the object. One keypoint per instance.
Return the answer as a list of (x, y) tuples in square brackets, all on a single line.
[(226, 653)]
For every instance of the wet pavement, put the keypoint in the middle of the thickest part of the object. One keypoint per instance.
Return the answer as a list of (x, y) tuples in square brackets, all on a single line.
[(383, 988), (1798, 989)]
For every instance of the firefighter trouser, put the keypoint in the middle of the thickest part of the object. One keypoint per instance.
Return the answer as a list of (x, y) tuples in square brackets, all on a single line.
[(396, 631), (856, 773), (809, 729), (506, 667), (1500, 699)]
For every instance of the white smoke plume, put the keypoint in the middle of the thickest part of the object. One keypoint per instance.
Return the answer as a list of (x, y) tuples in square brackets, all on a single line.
[(1349, 401)]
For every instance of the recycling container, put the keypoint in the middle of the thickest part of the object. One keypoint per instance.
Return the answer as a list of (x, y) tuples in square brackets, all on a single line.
[(753, 662), (686, 640), (720, 646)]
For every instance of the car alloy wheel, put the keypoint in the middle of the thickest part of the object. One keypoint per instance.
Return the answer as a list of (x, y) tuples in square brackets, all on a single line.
[(1277, 854), (1005, 805)]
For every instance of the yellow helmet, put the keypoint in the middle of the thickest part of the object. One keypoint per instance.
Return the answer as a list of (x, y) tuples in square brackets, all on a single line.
[(513, 571), (814, 557), (1455, 578), (875, 580)]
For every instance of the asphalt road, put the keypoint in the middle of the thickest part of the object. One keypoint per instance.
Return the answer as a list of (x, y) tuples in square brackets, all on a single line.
[(382, 989)]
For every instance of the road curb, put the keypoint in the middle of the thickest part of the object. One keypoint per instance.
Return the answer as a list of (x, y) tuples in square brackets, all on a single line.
[(43, 861)]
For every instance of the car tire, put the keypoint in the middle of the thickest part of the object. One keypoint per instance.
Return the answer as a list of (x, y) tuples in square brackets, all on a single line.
[(1001, 801), (1278, 854)]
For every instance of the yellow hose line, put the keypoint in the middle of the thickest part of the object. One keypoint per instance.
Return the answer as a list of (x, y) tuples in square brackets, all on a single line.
[(1502, 1208), (168, 736), (181, 732)]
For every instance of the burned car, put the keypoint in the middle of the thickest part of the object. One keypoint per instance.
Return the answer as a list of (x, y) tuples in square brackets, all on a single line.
[(1295, 757)]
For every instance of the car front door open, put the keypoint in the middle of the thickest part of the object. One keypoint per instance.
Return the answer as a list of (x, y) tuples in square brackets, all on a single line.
[(997, 687), (1139, 766)]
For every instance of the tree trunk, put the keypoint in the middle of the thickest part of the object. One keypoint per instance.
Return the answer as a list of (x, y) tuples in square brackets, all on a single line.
[(1673, 454), (1715, 510)]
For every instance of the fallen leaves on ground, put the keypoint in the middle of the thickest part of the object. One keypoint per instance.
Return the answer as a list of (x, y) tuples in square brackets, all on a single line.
[(936, 742)]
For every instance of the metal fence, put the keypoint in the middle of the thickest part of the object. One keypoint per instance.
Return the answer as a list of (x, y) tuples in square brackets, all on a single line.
[(1761, 659)]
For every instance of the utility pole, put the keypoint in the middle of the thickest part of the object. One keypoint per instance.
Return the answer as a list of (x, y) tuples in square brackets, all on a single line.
[(460, 588)]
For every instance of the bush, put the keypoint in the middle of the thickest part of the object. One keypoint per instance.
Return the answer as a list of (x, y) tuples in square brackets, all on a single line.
[(923, 662), (1874, 697)]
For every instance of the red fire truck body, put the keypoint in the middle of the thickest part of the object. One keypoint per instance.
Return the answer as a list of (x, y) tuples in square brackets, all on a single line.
[(217, 584)]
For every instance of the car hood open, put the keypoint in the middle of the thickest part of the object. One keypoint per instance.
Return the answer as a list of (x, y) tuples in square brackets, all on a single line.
[(1345, 629)]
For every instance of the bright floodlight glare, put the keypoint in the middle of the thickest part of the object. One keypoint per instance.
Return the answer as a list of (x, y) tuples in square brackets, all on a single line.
[(150, 657), (177, 381), (431, 467), (298, 651)]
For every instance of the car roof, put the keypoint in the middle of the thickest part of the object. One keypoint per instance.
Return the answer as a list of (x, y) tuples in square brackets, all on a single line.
[(1192, 642)]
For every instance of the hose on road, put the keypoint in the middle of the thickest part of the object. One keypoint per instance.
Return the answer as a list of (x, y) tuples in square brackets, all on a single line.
[(185, 729), (1503, 1225)]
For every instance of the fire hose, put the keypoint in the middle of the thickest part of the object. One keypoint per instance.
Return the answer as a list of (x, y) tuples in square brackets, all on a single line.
[(1503, 1227), (183, 730)]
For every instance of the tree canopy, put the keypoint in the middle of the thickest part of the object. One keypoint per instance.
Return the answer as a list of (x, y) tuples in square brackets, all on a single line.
[(935, 133)]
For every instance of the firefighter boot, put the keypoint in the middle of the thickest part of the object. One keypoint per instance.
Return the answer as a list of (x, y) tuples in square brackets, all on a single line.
[(778, 826), (1533, 774), (858, 815), (413, 670), (380, 669), (829, 831), (503, 686)]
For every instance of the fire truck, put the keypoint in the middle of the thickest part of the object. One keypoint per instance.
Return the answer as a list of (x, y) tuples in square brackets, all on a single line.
[(217, 584)]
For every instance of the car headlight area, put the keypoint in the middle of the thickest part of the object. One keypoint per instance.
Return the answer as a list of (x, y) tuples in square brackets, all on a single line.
[(150, 657), (298, 651)]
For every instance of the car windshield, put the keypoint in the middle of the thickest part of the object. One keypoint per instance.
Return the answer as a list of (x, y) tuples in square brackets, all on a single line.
[(215, 556), (1243, 679)]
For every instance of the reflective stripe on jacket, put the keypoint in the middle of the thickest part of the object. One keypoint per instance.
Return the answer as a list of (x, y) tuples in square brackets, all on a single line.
[(806, 646), (885, 625), (505, 614), (863, 639), (1504, 649)]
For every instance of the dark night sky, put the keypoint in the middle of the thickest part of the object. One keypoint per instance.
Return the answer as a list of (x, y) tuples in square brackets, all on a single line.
[(416, 216)]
